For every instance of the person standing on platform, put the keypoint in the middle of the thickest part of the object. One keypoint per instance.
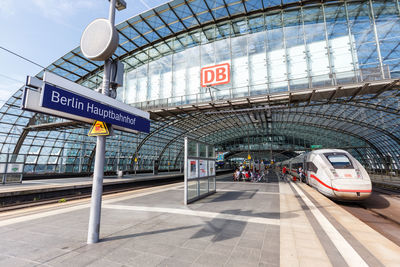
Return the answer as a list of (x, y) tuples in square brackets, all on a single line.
[(284, 170), (236, 175), (301, 174)]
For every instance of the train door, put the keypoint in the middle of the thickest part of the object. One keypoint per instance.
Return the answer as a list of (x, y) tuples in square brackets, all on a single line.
[(304, 167), (311, 171)]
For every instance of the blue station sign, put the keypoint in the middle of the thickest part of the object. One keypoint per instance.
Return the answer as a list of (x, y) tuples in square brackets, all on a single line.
[(69, 102)]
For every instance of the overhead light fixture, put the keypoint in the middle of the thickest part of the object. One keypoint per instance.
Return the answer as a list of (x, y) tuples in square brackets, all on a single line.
[(120, 5)]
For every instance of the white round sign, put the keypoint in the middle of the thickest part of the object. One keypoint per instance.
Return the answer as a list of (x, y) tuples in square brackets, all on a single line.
[(99, 40)]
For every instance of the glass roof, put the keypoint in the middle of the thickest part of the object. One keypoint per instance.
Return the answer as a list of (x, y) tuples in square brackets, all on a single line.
[(157, 25)]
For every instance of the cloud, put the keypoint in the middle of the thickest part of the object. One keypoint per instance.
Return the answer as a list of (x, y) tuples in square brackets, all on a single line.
[(7, 90), (8, 86), (62, 11), (144, 3), (7, 8), (59, 9)]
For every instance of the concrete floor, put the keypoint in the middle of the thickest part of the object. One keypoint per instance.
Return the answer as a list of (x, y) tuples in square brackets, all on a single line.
[(243, 224)]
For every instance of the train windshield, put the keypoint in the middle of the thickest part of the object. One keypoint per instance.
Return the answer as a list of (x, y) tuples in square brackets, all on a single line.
[(339, 161)]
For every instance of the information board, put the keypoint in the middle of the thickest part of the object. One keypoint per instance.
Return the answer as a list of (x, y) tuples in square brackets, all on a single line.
[(203, 168), (11, 172), (200, 180), (193, 173), (211, 167)]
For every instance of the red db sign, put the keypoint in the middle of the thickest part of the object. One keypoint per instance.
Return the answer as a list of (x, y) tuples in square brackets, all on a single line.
[(215, 75)]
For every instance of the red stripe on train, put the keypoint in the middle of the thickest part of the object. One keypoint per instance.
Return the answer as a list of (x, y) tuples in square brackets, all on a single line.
[(339, 190)]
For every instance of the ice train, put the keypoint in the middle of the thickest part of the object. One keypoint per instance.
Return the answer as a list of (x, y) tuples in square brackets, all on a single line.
[(333, 172)]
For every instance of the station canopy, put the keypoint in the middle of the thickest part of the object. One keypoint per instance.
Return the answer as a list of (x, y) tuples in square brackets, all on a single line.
[(360, 116)]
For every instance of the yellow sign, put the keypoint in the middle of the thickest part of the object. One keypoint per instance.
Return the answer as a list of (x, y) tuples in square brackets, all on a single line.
[(135, 159), (249, 157), (98, 128)]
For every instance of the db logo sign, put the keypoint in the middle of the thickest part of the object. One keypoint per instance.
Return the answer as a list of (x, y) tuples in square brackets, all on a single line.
[(215, 75)]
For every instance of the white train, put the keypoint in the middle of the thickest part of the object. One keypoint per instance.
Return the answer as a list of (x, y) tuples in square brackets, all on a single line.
[(333, 172)]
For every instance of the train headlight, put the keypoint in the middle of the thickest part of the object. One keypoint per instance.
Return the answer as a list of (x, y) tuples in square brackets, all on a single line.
[(334, 173)]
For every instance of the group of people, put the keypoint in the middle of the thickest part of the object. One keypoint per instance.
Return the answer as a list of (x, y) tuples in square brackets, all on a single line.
[(245, 174), (300, 173)]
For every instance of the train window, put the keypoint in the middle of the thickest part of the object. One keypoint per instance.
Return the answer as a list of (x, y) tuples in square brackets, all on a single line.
[(311, 167), (339, 161), (297, 165)]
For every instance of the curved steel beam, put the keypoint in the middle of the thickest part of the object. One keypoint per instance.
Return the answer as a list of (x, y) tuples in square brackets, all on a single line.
[(354, 122), (288, 130), (361, 156), (190, 118), (378, 152), (23, 135), (183, 121), (172, 140), (306, 124), (200, 26), (20, 141), (370, 106)]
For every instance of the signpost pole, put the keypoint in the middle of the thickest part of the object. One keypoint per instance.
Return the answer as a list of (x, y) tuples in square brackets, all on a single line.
[(97, 188), (97, 191), (186, 170)]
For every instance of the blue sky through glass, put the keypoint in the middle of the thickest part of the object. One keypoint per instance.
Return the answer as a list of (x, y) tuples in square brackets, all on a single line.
[(45, 30)]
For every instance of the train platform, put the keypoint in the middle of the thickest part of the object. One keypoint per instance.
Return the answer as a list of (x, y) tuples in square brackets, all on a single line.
[(35, 192), (277, 223), (43, 185), (58, 184)]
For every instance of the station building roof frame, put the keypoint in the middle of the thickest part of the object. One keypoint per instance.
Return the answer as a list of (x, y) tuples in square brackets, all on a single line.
[(364, 113)]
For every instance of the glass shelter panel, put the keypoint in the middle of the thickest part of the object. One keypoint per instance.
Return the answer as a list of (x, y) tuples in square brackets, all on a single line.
[(199, 170)]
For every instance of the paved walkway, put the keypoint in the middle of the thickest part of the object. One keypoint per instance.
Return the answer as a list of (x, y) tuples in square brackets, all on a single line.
[(243, 224)]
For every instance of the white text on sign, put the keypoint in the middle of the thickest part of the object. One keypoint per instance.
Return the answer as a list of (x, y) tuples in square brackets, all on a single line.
[(215, 75)]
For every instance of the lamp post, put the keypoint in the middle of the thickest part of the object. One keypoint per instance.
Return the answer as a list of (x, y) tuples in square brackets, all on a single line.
[(97, 46)]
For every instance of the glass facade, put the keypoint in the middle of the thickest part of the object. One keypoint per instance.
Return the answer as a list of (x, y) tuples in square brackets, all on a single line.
[(271, 46), (285, 50)]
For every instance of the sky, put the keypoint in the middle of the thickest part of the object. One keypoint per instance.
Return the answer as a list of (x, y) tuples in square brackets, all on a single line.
[(45, 30)]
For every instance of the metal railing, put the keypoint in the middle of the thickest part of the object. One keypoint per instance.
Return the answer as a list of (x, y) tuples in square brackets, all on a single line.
[(390, 177), (317, 81)]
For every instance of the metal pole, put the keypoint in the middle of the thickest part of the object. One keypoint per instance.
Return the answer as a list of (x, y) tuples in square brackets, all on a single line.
[(97, 191), (186, 170), (111, 12), (97, 188), (119, 153)]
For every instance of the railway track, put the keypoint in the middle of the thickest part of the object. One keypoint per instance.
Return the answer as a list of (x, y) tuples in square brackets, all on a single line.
[(36, 199), (380, 212)]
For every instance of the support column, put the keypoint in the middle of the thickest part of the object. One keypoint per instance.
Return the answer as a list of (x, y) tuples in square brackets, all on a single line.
[(332, 74), (378, 47)]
